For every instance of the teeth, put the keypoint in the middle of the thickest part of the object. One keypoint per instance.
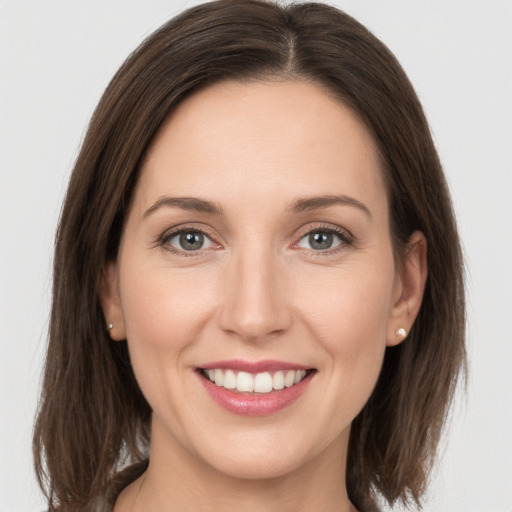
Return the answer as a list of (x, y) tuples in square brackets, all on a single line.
[(219, 377), (229, 380), (278, 380), (263, 383), (246, 382), (289, 379), (299, 376)]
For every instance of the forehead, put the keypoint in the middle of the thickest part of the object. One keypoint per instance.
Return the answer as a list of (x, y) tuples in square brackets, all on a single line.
[(260, 137)]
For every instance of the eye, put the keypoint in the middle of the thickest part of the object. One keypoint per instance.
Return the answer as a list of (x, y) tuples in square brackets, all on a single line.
[(323, 240), (188, 240)]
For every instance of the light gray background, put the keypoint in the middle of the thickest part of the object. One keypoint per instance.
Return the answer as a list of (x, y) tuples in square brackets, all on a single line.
[(57, 56)]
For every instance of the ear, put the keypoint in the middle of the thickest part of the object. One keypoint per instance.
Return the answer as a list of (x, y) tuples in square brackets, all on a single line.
[(111, 303), (409, 288)]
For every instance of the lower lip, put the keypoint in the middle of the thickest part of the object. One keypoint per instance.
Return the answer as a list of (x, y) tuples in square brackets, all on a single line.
[(249, 404)]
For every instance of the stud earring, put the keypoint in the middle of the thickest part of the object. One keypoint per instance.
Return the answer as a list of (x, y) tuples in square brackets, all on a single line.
[(401, 332), (110, 326)]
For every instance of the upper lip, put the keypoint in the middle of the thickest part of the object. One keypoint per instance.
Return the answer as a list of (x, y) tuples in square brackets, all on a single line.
[(267, 365)]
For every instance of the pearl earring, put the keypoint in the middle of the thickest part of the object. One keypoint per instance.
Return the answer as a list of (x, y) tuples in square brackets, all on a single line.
[(401, 332), (110, 326)]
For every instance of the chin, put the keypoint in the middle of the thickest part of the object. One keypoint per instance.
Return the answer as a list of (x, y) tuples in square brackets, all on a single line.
[(260, 468), (257, 456)]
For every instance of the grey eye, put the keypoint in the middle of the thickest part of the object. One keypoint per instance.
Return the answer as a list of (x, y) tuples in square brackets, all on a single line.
[(320, 240), (190, 241)]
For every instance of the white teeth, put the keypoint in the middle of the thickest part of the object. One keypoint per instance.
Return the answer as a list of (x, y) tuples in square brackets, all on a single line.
[(263, 382), (299, 375), (219, 377), (244, 381), (229, 379), (289, 379), (278, 380)]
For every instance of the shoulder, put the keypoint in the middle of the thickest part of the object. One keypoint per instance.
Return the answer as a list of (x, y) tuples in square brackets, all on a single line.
[(95, 505), (121, 488), (100, 504), (119, 482)]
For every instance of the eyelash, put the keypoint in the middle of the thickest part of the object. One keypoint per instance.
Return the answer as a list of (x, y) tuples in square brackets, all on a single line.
[(346, 239), (166, 237)]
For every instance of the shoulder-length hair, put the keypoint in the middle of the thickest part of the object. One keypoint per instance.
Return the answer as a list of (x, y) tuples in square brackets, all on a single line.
[(93, 419)]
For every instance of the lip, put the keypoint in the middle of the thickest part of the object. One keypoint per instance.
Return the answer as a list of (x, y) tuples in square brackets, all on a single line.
[(253, 404), (267, 365)]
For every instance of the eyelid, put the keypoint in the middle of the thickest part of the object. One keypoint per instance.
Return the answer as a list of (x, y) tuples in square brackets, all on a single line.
[(346, 237), (170, 233)]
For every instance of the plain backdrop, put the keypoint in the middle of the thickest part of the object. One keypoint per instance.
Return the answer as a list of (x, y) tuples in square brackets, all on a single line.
[(57, 56)]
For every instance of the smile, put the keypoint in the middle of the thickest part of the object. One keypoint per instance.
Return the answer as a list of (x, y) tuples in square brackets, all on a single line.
[(264, 382), (254, 389)]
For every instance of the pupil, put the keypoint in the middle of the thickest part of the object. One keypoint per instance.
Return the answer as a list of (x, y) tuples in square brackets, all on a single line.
[(320, 240), (191, 241)]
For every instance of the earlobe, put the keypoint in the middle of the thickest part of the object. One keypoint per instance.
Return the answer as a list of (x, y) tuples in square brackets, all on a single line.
[(111, 303), (409, 289)]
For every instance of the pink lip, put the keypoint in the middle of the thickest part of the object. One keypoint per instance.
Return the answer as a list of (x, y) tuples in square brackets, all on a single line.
[(268, 365), (248, 404)]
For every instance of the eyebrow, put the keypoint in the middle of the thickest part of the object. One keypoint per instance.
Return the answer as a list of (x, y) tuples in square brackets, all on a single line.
[(317, 202), (301, 204), (192, 204)]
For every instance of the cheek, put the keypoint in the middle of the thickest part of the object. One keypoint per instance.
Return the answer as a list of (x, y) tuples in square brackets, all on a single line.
[(348, 304), (162, 308), (348, 317), (164, 314)]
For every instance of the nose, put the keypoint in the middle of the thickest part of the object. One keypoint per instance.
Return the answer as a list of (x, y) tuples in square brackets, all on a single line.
[(255, 305)]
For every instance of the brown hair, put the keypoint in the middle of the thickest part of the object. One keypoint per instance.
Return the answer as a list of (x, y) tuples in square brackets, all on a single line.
[(93, 419)]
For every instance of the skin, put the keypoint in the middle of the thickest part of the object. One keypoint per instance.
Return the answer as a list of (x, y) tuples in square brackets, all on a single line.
[(258, 290)]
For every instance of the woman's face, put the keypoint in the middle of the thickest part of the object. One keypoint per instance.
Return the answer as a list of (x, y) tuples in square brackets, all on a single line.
[(257, 246)]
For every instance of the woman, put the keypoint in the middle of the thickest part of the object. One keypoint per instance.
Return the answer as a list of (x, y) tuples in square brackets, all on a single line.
[(244, 312)]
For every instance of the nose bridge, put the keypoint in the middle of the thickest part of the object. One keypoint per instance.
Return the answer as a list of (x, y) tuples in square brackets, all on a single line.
[(254, 304)]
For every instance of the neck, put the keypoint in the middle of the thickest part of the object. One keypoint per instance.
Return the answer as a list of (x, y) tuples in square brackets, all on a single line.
[(177, 480)]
